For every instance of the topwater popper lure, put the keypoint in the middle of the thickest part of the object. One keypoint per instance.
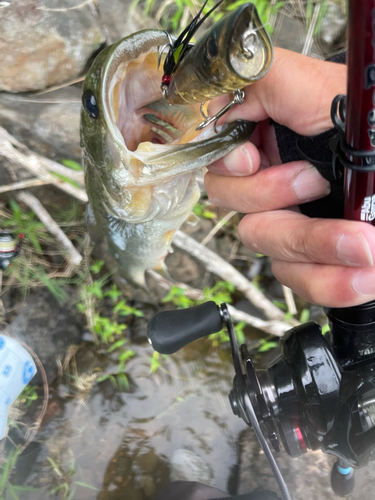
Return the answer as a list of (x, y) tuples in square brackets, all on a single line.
[(142, 151), (235, 53), (179, 47)]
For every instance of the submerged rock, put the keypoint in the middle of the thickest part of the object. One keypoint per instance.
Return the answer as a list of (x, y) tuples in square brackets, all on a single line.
[(308, 476), (188, 466), (48, 327)]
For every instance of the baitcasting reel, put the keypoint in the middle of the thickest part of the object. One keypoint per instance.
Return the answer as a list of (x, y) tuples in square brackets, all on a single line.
[(318, 394)]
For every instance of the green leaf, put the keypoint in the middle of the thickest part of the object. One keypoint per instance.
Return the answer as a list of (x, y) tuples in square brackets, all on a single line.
[(65, 179), (12, 492), (71, 164), (85, 485), (123, 382), (325, 329), (305, 316), (55, 467), (238, 329), (14, 206), (96, 266), (267, 345), (113, 293), (116, 345), (25, 488), (280, 305), (124, 356)]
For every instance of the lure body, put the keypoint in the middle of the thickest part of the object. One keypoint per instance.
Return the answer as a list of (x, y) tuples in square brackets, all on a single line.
[(235, 53)]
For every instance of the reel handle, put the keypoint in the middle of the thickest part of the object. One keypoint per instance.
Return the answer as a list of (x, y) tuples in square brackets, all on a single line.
[(169, 331)]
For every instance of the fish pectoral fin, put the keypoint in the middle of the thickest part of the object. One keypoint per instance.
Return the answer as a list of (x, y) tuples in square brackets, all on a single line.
[(192, 220), (162, 270)]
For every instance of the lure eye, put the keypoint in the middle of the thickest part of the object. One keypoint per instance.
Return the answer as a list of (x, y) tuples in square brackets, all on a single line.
[(212, 48), (89, 103)]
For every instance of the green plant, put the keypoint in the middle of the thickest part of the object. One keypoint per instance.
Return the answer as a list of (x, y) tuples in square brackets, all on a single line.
[(27, 224), (71, 164), (177, 296), (118, 379), (304, 316), (267, 345), (8, 490), (264, 7), (28, 395), (181, 11), (310, 5), (200, 210), (219, 293), (32, 267), (66, 485), (325, 329), (107, 329)]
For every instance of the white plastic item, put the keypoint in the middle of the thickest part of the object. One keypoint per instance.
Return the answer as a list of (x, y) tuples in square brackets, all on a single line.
[(17, 368)]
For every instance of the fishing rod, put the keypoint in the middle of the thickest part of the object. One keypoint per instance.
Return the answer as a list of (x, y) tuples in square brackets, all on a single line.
[(319, 394)]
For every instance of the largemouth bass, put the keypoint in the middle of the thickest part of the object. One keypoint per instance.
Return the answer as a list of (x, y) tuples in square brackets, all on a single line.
[(141, 154)]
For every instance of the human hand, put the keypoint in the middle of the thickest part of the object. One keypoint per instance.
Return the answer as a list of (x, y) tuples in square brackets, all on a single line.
[(327, 262)]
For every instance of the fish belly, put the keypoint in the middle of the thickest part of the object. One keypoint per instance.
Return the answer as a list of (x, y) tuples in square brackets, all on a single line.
[(136, 247)]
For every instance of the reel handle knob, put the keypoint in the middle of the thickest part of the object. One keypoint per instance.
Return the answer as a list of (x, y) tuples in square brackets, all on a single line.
[(169, 331), (342, 479)]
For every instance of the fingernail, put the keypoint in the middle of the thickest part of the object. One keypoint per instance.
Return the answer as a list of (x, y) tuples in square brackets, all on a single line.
[(354, 249), (364, 283), (239, 161), (309, 184)]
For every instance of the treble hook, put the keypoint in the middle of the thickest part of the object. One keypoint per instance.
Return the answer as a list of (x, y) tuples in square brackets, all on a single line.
[(238, 98), (169, 44)]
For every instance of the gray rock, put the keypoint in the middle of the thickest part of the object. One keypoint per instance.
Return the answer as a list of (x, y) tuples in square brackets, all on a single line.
[(187, 466), (119, 20), (44, 43), (48, 328), (285, 26), (307, 477), (333, 28), (48, 124)]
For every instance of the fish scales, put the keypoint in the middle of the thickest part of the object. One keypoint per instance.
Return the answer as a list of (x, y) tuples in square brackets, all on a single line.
[(142, 154)]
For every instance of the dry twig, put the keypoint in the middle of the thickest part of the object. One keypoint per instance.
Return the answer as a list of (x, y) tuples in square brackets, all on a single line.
[(22, 185), (289, 299), (39, 166), (217, 227), (71, 253), (227, 272)]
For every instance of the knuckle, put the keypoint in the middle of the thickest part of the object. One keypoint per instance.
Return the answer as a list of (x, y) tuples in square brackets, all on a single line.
[(299, 246)]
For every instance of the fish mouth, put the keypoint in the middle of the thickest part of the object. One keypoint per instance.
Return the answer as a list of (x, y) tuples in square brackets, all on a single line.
[(136, 111)]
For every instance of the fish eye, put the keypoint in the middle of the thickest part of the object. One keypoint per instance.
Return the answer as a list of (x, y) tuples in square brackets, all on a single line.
[(212, 47), (89, 103)]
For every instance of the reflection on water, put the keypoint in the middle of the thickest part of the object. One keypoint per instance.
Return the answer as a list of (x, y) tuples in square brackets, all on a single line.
[(121, 443)]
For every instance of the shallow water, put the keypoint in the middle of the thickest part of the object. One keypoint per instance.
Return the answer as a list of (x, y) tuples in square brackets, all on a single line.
[(121, 443)]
